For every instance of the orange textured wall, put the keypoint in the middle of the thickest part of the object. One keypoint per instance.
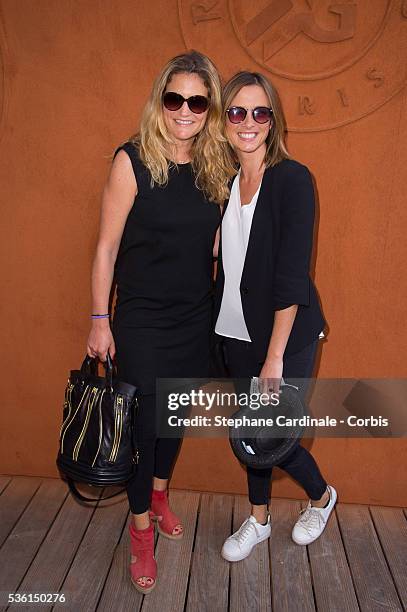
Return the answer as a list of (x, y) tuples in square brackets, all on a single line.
[(74, 77)]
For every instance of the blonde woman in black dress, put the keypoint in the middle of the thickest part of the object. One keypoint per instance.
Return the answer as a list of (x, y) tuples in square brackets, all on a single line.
[(159, 218)]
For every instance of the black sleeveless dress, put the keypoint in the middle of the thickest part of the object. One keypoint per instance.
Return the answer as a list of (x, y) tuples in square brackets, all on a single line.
[(163, 314)]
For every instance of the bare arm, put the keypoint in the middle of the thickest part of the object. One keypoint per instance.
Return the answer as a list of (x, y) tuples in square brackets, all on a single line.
[(283, 322), (117, 200), (273, 366), (216, 244)]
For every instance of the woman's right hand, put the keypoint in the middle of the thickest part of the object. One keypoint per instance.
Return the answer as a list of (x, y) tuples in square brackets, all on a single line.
[(101, 340)]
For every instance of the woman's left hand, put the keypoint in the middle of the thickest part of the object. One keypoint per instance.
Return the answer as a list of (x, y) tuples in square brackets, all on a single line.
[(270, 375)]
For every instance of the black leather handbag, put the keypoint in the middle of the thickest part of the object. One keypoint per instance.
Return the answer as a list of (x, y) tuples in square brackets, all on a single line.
[(97, 437)]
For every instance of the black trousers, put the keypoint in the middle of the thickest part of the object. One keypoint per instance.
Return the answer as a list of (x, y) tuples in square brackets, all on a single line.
[(157, 456), (300, 464), (144, 354)]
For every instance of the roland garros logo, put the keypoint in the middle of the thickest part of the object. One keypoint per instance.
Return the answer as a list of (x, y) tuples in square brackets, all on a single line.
[(332, 62)]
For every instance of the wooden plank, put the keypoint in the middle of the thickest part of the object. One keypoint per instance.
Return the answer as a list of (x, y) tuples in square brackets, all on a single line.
[(174, 557), (373, 583), (250, 578), (4, 480), (332, 579), (45, 539), (84, 582), (19, 549), (290, 572), (391, 527), (118, 579), (13, 502), (54, 558), (208, 587)]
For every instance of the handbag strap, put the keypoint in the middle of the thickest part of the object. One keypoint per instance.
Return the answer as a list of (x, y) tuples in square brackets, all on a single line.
[(79, 496), (89, 368)]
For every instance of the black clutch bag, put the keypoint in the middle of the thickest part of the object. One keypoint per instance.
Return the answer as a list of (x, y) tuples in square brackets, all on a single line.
[(97, 436)]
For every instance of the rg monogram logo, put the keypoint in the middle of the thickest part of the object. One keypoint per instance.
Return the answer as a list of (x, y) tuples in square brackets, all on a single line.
[(332, 62), (299, 21)]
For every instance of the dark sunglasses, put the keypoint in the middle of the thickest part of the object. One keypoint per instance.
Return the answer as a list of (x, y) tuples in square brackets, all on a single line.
[(237, 114), (173, 102)]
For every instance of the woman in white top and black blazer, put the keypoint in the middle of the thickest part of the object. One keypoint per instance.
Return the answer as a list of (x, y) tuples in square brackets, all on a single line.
[(266, 306)]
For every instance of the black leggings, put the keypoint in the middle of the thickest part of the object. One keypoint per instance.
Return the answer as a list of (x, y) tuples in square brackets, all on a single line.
[(300, 464), (157, 456)]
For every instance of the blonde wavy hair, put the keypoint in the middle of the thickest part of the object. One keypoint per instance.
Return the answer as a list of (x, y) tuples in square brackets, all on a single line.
[(276, 149), (209, 155)]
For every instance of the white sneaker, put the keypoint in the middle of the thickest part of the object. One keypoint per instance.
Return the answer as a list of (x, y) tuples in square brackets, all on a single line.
[(240, 544), (313, 520)]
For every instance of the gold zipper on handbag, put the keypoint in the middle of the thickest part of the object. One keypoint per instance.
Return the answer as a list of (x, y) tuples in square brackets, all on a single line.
[(73, 416), (68, 393), (118, 425), (100, 426), (79, 441)]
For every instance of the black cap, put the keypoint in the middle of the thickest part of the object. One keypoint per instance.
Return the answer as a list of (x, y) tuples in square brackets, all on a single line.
[(263, 446)]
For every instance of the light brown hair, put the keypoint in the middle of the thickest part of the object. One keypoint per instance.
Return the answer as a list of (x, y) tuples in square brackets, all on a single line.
[(276, 149)]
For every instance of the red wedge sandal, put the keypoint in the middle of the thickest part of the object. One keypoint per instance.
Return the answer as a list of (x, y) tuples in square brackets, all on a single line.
[(143, 566), (168, 524)]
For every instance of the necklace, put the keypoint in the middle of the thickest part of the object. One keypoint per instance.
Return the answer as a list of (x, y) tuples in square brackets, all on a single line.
[(183, 159)]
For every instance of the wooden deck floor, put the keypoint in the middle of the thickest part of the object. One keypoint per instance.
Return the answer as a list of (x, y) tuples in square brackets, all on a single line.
[(51, 544)]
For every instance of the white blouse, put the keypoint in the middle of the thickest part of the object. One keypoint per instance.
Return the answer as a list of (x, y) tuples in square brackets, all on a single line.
[(236, 226)]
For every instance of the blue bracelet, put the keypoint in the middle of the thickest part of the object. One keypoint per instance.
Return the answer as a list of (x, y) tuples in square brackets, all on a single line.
[(100, 316)]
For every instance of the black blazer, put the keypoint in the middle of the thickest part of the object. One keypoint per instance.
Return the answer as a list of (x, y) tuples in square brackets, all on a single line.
[(276, 269)]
